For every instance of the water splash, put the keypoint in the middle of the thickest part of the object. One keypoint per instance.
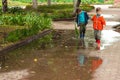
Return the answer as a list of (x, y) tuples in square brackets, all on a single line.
[(109, 37)]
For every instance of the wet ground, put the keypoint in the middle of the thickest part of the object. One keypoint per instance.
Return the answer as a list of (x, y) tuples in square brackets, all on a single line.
[(58, 61), (110, 68), (109, 53), (4, 30)]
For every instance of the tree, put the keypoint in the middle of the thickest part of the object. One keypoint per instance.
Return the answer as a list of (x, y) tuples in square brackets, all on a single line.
[(49, 2), (35, 4), (4, 6), (76, 5)]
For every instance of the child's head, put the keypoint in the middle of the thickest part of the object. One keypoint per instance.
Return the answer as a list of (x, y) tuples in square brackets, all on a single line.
[(78, 10), (98, 10)]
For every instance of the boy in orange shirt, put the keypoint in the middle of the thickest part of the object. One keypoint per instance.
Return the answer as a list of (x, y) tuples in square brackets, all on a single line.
[(98, 25)]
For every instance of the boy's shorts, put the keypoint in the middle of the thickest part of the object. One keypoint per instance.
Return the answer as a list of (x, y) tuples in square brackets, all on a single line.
[(97, 34), (82, 28)]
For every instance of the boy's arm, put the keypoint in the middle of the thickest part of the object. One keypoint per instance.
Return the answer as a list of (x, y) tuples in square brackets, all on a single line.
[(92, 18), (103, 22), (87, 16), (77, 20)]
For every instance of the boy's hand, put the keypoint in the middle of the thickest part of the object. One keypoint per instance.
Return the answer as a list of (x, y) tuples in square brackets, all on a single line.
[(104, 27)]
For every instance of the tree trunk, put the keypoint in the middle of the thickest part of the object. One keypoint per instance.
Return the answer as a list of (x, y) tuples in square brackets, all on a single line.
[(4, 6), (49, 2), (76, 5), (74, 2), (35, 4)]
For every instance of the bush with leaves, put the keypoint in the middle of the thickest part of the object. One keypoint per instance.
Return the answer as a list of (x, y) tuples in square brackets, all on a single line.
[(58, 11), (13, 19), (0, 10), (14, 10), (34, 24)]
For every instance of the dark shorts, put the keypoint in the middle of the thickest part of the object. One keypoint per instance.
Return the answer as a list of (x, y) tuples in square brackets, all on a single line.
[(82, 28), (97, 34)]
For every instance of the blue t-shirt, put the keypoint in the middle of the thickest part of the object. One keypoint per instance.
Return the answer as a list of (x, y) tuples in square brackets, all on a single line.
[(81, 17)]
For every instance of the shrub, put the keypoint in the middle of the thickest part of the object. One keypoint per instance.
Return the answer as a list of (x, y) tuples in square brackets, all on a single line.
[(15, 10), (13, 20), (0, 10), (59, 10), (35, 24)]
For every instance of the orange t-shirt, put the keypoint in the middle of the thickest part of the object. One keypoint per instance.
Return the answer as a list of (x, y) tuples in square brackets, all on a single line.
[(98, 22)]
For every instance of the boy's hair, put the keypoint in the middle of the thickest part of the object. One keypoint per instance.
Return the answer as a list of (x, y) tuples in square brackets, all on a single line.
[(78, 10), (98, 9)]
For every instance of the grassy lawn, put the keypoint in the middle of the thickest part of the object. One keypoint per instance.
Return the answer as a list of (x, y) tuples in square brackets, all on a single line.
[(27, 2), (15, 3), (57, 11)]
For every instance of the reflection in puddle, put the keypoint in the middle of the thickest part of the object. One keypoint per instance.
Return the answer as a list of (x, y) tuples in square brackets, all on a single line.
[(14, 75), (109, 37), (81, 59), (96, 63)]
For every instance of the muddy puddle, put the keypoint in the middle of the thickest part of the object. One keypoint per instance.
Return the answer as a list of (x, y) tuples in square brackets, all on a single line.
[(60, 60)]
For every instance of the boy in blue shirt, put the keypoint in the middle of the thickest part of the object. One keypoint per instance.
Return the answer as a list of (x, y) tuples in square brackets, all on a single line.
[(82, 20)]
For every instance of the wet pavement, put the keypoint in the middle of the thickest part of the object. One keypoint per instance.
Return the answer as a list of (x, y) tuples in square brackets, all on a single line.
[(110, 68), (109, 37)]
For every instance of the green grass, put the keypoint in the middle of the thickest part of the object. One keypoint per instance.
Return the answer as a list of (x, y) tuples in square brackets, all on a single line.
[(14, 3), (57, 11), (27, 2), (68, 1)]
